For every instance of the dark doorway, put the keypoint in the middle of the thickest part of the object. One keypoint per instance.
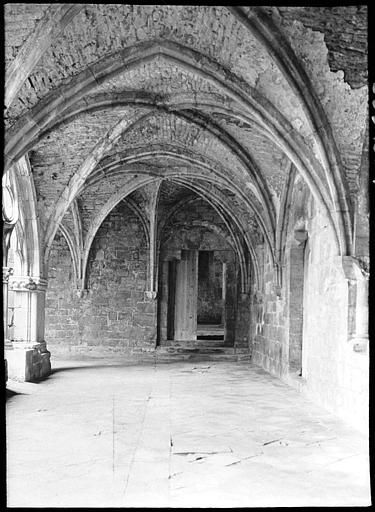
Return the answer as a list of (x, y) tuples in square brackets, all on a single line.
[(297, 300), (210, 304), (171, 298)]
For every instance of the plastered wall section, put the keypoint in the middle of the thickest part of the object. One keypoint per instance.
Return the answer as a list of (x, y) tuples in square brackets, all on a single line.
[(336, 376), (113, 317)]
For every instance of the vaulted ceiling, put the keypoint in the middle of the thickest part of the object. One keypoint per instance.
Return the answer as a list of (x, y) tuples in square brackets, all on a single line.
[(220, 102)]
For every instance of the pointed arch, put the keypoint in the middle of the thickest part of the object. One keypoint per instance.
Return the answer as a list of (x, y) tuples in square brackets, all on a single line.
[(27, 129)]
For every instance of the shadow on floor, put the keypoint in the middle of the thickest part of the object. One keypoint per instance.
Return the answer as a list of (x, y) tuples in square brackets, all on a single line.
[(90, 367), (11, 394)]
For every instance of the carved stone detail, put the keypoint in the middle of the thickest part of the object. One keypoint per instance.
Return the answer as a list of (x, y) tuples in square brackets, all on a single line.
[(354, 268), (27, 283), (7, 272), (300, 235), (150, 294)]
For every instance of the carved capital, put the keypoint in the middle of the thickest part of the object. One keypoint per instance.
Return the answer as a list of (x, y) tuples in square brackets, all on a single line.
[(364, 267), (354, 268), (82, 293), (7, 272), (27, 283), (278, 290), (150, 295), (300, 236), (244, 296), (258, 297)]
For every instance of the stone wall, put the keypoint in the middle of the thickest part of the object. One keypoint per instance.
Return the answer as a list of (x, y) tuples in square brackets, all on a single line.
[(336, 376), (345, 34), (113, 316), (333, 375), (269, 348)]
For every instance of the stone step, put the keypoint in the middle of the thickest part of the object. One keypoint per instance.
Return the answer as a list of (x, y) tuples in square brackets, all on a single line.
[(211, 342), (244, 357), (242, 350), (194, 352), (210, 330), (192, 349), (201, 353), (202, 350), (194, 343), (196, 357)]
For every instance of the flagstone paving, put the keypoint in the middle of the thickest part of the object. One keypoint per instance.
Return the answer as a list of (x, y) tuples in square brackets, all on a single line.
[(219, 434)]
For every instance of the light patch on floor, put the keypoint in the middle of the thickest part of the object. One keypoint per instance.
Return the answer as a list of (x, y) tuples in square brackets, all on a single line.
[(96, 434)]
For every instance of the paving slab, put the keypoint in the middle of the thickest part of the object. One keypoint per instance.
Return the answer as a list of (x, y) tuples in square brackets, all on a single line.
[(223, 434)]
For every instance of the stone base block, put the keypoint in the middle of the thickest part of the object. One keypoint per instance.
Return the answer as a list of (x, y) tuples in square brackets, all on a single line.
[(359, 344), (27, 363)]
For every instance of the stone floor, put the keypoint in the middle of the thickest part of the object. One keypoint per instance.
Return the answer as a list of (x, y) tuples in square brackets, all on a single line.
[(178, 435)]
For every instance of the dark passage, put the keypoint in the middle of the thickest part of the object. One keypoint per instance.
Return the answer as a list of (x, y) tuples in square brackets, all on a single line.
[(210, 307)]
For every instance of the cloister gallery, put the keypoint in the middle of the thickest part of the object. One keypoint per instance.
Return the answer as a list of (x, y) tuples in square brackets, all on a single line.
[(188, 184)]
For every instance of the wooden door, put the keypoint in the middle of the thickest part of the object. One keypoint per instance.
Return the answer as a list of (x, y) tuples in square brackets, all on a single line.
[(186, 296)]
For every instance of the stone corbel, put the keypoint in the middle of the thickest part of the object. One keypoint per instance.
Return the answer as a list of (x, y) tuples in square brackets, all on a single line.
[(300, 236), (244, 296), (82, 293), (354, 269), (150, 294)]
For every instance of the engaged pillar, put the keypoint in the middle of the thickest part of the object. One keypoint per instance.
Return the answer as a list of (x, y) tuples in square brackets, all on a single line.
[(27, 356), (7, 272)]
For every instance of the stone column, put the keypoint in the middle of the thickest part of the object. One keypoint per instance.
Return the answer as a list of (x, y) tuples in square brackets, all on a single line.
[(28, 357), (230, 305), (170, 297), (10, 219), (152, 209), (224, 291), (242, 334), (7, 272)]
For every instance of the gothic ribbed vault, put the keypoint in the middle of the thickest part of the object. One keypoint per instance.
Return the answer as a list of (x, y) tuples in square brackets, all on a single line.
[(135, 125)]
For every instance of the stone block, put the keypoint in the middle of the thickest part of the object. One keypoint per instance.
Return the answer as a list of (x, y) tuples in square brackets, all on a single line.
[(147, 320), (146, 307), (28, 364)]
